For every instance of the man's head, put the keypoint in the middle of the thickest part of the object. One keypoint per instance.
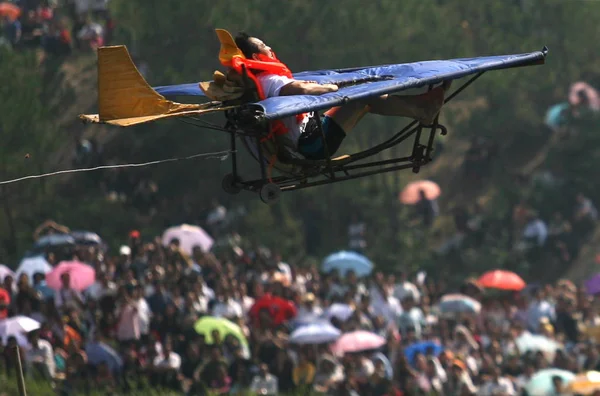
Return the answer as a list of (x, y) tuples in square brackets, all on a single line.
[(252, 47)]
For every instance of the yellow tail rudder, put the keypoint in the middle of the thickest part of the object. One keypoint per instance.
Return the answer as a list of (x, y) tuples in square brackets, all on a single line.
[(122, 90), (126, 99)]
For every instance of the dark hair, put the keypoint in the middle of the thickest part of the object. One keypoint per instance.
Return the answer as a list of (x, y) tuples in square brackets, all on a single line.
[(248, 48)]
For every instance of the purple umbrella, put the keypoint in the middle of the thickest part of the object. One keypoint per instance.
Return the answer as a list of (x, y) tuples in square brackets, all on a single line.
[(592, 285)]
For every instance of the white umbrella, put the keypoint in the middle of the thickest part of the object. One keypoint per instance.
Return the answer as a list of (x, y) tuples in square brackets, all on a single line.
[(31, 265), (16, 326), (340, 311), (188, 236), (316, 333), (5, 271), (534, 342)]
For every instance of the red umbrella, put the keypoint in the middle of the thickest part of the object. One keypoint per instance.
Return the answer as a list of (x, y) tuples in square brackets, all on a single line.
[(503, 280), (279, 309), (4, 303), (410, 195), (10, 10)]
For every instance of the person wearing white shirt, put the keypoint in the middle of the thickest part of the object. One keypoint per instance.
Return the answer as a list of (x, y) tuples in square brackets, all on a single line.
[(404, 288), (536, 231), (128, 325), (497, 385), (264, 383), (102, 287), (411, 317), (144, 313), (384, 304), (40, 356), (66, 295), (226, 307), (538, 309), (169, 360), (308, 308)]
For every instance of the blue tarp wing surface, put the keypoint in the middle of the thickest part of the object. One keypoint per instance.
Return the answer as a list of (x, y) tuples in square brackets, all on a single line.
[(393, 78)]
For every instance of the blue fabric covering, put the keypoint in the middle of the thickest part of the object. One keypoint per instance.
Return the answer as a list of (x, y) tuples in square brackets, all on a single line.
[(192, 89), (406, 76), (401, 77)]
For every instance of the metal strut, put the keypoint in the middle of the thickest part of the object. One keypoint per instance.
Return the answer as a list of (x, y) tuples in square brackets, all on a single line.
[(337, 171)]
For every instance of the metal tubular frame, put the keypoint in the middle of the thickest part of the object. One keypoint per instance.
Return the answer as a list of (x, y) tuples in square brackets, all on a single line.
[(331, 171)]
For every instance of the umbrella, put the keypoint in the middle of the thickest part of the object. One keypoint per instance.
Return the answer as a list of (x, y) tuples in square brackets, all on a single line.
[(389, 370), (5, 271), (410, 195), (316, 333), (4, 297), (459, 303), (82, 275), (541, 382), (16, 326), (54, 240), (585, 383), (86, 238), (279, 309), (357, 341), (340, 311), (345, 261), (99, 352), (207, 324), (556, 115), (424, 348), (503, 280), (588, 90), (32, 265), (533, 342), (10, 10), (305, 320), (188, 236), (592, 285)]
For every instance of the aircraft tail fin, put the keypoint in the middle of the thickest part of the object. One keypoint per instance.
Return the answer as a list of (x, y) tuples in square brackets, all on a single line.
[(124, 96)]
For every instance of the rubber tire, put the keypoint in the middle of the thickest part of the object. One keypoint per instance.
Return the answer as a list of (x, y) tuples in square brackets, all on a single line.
[(228, 184), (269, 193)]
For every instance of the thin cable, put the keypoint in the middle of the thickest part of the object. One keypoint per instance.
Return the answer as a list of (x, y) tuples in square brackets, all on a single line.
[(222, 155)]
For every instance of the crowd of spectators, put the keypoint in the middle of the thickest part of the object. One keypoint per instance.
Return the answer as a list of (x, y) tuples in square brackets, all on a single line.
[(57, 27), (141, 311)]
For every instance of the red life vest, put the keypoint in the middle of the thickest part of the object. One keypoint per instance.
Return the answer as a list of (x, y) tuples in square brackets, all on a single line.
[(255, 68)]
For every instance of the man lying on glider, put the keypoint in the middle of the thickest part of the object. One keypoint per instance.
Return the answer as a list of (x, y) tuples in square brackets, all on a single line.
[(338, 121)]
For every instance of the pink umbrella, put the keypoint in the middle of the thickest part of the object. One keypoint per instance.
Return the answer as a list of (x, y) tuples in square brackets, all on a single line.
[(82, 275), (411, 193), (588, 90), (357, 341)]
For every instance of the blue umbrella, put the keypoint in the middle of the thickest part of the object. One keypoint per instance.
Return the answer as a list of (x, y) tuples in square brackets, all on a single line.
[(344, 261), (541, 382), (54, 240), (556, 115), (99, 352), (86, 237), (422, 347), (458, 303)]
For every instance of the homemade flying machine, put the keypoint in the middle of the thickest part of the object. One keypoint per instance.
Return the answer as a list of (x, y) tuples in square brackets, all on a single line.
[(125, 99)]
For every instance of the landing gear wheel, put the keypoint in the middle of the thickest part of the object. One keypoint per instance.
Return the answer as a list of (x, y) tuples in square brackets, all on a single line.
[(229, 184), (269, 193)]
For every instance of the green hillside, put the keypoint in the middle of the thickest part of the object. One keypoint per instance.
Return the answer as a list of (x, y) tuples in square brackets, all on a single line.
[(176, 41)]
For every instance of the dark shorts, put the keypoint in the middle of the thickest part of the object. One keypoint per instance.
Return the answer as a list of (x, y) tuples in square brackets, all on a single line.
[(310, 144)]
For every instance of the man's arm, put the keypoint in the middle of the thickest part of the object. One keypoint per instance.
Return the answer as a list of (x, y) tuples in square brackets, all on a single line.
[(306, 88)]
